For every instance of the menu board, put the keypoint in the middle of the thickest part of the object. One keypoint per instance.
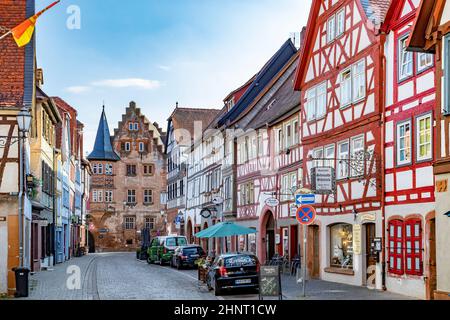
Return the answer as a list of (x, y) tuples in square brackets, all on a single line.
[(270, 281)]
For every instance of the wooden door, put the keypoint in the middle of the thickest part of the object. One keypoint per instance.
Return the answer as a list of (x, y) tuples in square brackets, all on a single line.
[(294, 241), (370, 255), (270, 241), (432, 279), (314, 254)]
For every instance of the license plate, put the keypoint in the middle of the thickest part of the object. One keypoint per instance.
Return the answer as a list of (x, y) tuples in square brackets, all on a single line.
[(195, 256), (244, 281)]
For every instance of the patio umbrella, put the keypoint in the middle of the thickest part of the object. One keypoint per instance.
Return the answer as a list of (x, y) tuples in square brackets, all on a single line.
[(224, 229)]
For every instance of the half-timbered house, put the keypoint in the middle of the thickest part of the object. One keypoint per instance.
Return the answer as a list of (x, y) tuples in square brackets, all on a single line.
[(341, 81), (431, 34), (409, 199)]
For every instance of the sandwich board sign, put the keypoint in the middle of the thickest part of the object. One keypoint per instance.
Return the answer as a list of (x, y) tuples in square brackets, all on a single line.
[(270, 282)]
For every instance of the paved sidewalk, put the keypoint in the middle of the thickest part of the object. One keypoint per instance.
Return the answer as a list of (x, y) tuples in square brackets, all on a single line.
[(323, 290)]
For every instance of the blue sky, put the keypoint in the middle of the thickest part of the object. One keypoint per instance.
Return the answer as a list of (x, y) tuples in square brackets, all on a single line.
[(157, 52)]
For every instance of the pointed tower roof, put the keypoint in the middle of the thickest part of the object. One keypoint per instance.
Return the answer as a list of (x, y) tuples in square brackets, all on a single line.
[(103, 149)]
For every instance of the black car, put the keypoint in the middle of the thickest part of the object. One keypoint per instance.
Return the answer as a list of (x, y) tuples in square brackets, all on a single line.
[(185, 256), (234, 271)]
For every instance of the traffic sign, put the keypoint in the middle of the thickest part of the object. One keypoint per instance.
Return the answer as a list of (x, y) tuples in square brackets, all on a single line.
[(305, 199), (306, 215)]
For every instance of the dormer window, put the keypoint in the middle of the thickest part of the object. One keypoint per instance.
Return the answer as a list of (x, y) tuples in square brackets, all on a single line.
[(130, 126), (136, 126), (133, 126)]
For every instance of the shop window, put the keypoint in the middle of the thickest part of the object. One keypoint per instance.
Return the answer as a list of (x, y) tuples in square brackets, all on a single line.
[(341, 245)]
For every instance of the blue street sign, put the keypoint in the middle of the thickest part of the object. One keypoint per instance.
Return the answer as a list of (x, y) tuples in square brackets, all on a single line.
[(305, 199)]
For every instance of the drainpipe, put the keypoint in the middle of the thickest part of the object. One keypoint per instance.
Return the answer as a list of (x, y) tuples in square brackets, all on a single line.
[(21, 198)]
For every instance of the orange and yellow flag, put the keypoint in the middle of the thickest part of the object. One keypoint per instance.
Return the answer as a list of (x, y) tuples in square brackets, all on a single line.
[(24, 32)]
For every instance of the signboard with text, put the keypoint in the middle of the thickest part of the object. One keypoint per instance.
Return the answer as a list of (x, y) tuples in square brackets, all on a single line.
[(270, 282), (323, 180)]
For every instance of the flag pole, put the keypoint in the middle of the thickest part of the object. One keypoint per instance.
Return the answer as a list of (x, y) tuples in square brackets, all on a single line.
[(6, 34)]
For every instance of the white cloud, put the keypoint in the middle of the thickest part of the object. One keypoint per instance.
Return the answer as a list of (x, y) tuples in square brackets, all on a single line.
[(77, 89), (129, 83), (164, 67)]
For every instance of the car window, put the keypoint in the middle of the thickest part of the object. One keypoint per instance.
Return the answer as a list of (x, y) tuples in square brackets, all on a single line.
[(240, 261), (171, 242), (194, 250), (181, 241)]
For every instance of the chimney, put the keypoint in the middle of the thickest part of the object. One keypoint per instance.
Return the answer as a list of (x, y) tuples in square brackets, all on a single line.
[(302, 36)]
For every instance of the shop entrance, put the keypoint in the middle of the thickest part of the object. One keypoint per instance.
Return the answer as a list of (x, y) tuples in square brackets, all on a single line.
[(270, 236), (294, 241), (313, 256), (370, 256), (91, 242)]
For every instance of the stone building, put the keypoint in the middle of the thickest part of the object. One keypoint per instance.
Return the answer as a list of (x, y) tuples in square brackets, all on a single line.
[(128, 179)]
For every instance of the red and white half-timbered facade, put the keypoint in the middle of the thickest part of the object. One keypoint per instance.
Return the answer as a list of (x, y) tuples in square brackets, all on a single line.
[(340, 79), (409, 156)]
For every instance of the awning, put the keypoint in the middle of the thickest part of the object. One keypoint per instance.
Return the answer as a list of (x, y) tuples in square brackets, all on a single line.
[(224, 229)]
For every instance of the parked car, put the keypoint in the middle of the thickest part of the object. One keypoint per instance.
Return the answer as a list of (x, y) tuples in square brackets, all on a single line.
[(233, 271), (185, 256), (162, 248)]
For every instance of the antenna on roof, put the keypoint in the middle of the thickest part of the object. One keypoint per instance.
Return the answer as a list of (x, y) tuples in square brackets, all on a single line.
[(176, 104), (295, 38)]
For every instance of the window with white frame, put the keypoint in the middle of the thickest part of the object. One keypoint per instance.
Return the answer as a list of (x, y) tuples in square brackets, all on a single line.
[(342, 162), (424, 137), (340, 22), (100, 169), (288, 184), (260, 145), (316, 103), (131, 196), (127, 146), (109, 169), (405, 60), (148, 196), (136, 126), (404, 143), (108, 196), (331, 28), (94, 169), (329, 155), (288, 135), (141, 146), (359, 80), (346, 87), (278, 140), (318, 157), (130, 126), (130, 223), (296, 132), (149, 223), (424, 61), (357, 147)]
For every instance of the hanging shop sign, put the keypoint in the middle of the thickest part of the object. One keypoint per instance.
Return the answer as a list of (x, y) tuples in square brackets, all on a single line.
[(323, 180), (272, 202)]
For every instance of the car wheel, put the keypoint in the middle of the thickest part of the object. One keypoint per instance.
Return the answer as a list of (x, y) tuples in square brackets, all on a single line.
[(217, 290), (149, 261)]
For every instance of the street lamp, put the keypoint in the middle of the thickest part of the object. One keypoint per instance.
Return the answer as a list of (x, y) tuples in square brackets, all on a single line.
[(24, 123)]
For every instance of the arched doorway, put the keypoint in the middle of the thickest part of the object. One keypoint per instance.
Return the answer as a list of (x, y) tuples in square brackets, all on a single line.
[(91, 242), (189, 234), (267, 236)]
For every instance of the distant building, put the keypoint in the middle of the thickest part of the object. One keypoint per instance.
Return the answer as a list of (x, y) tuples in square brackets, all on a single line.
[(129, 176)]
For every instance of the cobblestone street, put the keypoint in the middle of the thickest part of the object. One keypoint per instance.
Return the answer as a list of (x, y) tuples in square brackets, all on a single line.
[(119, 276)]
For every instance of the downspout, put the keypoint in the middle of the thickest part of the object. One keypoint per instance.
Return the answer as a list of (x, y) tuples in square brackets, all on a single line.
[(21, 199), (383, 139), (55, 182)]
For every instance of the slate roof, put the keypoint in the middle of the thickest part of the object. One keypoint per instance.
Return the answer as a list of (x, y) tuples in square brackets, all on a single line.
[(376, 10), (270, 69), (283, 103), (103, 149)]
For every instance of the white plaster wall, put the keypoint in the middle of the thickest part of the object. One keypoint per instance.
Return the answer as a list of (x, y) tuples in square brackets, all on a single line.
[(389, 52)]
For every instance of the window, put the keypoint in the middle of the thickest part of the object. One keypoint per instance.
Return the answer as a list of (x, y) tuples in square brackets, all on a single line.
[(131, 197), (405, 247), (148, 169), (100, 169), (341, 245), (446, 72), (288, 183), (95, 169), (316, 102), (108, 196), (404, 143), (296, 133), (405, 60), (247, 194), (148, 196), (127, 146), (424, 61), (288, 135), (331, 28), (136, 126), (396, 246), (340, 22), (131, 170), (130, 223), (130, 126), (142, 147), (318, 157), (329, 154), (108, 169), (99, 196), (424, 138), (413, 247), (260, 145), (343, 154), (359, 80), (357, 161), (149, 223), (346, 88)]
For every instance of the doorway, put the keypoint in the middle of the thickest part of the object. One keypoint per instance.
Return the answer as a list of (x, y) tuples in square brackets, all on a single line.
[(270, 236), (314, 252), (432, 279), (294, 241), (91, 243), (370, 255)]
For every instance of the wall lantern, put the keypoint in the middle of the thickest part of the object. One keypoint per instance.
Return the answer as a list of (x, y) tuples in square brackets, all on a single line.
[(447, 214), (24, 120)]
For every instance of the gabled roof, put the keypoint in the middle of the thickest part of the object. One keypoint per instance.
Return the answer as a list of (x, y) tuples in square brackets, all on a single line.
[(375, 11), (426, 25), (185, 118), (232, 93), (103, 149), (52, 108), (270, 69)]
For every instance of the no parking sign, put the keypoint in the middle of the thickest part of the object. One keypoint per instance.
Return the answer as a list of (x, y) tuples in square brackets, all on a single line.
[(306, 215)]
